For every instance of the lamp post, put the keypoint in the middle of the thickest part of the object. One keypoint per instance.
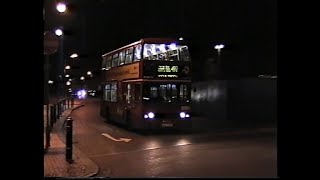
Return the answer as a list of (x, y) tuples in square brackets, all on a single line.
[(218, 48), (59, 32), (51, 43), (61, 7), (82, 82)]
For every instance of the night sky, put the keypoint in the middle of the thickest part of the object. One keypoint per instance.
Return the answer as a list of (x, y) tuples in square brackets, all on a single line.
[(246, 27)]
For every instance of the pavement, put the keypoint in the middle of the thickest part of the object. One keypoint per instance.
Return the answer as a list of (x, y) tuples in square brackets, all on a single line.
[(55, 163)]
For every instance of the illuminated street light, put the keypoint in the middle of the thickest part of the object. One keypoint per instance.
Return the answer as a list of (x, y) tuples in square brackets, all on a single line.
[(181, 38), (219, 47), (68, 83), (67, 75), (89, 73), (58, 32), (74, 55), (82, 78), (50, 82), (67, 67), (61, 7)]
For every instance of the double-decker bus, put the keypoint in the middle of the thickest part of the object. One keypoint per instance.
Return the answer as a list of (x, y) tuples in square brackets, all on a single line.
[(147, 85)]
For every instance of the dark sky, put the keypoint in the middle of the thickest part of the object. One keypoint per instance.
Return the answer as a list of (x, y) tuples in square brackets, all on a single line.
[(246, 27)]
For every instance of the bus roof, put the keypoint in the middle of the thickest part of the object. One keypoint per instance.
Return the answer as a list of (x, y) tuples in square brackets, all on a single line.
[(143, 41)]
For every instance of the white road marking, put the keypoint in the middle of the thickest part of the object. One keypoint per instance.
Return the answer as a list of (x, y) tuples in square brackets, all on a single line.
[(112, 138)]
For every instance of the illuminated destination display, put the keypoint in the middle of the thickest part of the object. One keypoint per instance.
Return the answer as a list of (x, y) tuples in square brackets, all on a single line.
[(165, 70), (168, 69), (167, 75)]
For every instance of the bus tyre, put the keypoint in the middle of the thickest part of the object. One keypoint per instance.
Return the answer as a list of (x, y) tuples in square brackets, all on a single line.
[(102, 114), (127, 119), (129, 125), (106, 115)]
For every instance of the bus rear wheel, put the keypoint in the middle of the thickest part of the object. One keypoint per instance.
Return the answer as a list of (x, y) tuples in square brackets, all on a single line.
[(127, 119), (107, 116)]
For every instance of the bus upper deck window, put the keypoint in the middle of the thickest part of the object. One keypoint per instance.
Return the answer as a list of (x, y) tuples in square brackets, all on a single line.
[(121, 57), (184, 53), (137, 53)]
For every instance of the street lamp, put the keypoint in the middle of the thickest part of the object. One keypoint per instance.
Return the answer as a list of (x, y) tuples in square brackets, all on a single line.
[(68, 67), (61, 7), (89, 73), (74, 55), (82, 78), (219, 47)]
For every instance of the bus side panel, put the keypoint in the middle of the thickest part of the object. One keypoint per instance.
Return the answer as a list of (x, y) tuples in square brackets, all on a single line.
[(108, 111), (136, 120), (116, 113), (103, 109)]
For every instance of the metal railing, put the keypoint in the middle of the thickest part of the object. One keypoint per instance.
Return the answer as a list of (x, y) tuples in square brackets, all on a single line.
[(52, 112)]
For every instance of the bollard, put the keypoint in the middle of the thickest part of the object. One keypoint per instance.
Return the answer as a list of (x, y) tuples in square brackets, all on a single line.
[(72, 101), (48, 129), (69, 140), (67, 103), (62, 107), (61, 110), (57, 111), (52, 115), (64, 104)]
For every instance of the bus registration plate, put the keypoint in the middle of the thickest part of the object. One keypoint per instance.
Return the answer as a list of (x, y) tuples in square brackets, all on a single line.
[(167, 124)]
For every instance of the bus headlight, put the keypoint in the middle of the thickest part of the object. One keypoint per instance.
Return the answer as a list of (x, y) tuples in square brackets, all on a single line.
[(184, 115), (149, 115)]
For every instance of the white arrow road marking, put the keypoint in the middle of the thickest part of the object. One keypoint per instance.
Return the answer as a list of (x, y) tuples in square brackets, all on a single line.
[(112, 138)]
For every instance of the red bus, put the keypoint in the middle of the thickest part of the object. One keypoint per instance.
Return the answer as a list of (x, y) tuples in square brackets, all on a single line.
[(147, 85)]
